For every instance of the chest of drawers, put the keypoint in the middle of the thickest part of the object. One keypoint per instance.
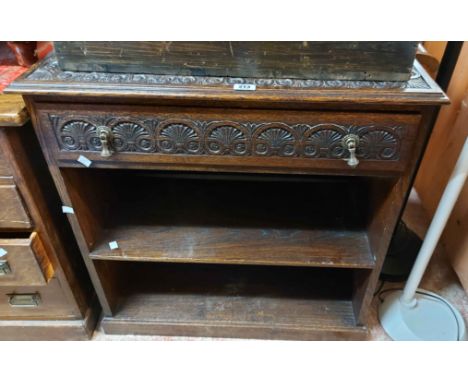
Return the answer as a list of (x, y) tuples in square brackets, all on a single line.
[(202, 210), (45, 292)]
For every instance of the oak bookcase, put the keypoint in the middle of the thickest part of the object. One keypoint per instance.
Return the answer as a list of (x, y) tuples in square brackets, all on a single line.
[(205, 211)]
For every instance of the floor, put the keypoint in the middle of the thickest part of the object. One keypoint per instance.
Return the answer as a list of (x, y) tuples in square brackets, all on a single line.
[(439, 278)]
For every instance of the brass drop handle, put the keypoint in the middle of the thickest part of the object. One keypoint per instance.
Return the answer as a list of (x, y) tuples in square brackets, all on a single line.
[(105, 136), (4, 268), (350, 142)]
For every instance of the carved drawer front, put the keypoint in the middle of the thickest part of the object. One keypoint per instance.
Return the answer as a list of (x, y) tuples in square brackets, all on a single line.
[(13, 214), (24, 262), (226, 137)]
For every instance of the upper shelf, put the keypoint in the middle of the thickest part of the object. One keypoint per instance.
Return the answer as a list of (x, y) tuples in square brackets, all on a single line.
[(311, 246), (264, 220), (46, 78)]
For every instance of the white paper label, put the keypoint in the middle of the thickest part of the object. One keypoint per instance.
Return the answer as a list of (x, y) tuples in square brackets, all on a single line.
[(245, 87), (2, 252), (84, 161), (113, 245), (67, 210)]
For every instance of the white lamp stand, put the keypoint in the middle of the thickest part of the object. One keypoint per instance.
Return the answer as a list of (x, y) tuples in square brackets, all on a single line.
[(416, 314)]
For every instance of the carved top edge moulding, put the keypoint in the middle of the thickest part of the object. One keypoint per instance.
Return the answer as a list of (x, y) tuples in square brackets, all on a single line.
[(47, 77)]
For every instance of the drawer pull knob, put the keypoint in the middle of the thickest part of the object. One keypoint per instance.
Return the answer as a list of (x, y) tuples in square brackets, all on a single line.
[(104, 133), (4, 268), (26, 300), (350, 142)]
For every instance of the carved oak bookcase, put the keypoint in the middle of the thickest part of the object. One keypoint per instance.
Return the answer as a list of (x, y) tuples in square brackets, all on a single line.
[(205, 211)]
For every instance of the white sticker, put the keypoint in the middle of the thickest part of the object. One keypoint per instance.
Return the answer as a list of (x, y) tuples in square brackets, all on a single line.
[(67, 210), (113, 245), (2, 252), (245, 87), (84, 161)]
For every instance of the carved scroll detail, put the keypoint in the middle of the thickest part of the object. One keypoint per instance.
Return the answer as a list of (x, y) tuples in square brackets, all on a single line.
[(49, 71)]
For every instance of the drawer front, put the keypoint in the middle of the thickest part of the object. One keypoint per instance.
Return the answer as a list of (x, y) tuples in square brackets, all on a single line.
[(289, 139), (13, 213), (24, 262), (41, 302)]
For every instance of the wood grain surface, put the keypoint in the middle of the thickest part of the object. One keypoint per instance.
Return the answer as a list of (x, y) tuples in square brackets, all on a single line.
[(5, 170), (332, 60), (28, 262), (53, 303), (236, 301), (12, 110), (13, 213)]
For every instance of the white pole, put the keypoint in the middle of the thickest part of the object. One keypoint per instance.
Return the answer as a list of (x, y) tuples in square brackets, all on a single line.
[(446, 204)]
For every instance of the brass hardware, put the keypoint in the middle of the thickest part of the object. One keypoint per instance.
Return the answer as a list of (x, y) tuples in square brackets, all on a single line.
[(351, 142), (4, 268), (26, 300), (105, 134)]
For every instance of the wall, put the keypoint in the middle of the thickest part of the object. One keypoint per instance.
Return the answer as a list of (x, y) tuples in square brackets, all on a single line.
[(445, 144)]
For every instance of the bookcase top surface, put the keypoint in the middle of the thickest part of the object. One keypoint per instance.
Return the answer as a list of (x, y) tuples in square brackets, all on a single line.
[(46, 78)]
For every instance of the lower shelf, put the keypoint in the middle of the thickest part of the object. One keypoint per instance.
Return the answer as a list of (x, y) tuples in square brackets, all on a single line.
[(236, 317), (238, 302)]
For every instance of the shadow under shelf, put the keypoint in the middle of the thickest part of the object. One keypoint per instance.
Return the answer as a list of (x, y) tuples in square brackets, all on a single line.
[(261, 220)]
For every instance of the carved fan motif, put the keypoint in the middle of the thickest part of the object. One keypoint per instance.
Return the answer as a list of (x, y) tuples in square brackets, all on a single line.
[(378, 144), (275, 141), (226, 140), (79, 135), (178, 138), (129, 136), (325, 142)]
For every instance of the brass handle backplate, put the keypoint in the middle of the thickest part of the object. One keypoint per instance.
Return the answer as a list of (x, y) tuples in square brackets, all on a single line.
[(105, 136), (24, 300), (350, 142), (4, 268)]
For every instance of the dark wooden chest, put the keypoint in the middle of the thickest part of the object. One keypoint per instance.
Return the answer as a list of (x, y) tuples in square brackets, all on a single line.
[(332, 60)]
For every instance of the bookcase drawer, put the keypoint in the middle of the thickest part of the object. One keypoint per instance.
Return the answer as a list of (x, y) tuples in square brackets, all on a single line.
[(13, 214), (184, 138), (24, 262)]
